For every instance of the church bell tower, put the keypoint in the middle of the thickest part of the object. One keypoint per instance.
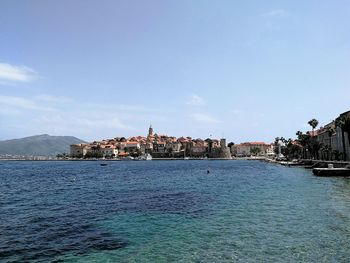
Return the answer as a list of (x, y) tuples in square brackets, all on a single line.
[(150, 131)]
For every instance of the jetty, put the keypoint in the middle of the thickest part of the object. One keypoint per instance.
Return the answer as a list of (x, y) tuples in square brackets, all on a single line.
[(319, 167), (331, 171)]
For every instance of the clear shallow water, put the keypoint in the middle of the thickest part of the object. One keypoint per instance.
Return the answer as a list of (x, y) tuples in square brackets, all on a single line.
[(171, 211)]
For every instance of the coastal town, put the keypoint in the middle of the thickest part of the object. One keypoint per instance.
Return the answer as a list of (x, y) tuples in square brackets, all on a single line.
[(158, 146), (174, 131), (163, 146), (328, 142)]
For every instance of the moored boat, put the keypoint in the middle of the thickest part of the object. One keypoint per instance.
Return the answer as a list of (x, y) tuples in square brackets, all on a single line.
[(145, 157), (331, 171), (128, 158)]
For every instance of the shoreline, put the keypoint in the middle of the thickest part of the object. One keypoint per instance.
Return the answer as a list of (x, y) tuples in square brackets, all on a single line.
[(154, 159), (305, 163)]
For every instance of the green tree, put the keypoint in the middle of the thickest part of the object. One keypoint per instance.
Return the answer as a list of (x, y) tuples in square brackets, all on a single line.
[(170, 151), (347, 127), (303, 140), (230, 144), (337, 155), (330, 132), (122, 139), (315, 147), (295, 150), (255, 151), (327, 150), (313, 123), (341, 122)]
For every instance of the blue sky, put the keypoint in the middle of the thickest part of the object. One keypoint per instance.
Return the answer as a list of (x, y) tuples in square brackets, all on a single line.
[(244, 70)]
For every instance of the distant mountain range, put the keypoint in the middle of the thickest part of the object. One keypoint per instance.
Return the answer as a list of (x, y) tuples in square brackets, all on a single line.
[(38, 145)]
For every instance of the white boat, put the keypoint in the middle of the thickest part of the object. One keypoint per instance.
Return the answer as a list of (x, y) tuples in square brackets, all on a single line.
[(145, 157), (128, 158)]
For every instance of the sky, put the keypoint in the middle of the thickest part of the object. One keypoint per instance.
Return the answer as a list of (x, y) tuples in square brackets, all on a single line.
[(245, 70)]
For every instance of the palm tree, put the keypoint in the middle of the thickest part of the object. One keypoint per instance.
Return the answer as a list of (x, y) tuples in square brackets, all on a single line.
[(305, 142), (302, 140), (300, 135), (336, 154), (347, 127), (330, 131), (341, 122), (316, 148), (323, 151), (313, 123), (328, 150)]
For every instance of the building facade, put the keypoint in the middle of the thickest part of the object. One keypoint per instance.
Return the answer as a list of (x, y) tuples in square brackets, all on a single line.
[(246, 149), (335, 143)]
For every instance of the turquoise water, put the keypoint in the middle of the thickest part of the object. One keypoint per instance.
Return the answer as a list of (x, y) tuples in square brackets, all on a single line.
[(171, 211)]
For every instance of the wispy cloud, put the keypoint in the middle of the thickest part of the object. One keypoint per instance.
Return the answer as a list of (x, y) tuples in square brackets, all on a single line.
[(11, 73), (51, 98), (47, 113), (274, 13), (19, 103), (204, 118), (196, 100), (83, 124)]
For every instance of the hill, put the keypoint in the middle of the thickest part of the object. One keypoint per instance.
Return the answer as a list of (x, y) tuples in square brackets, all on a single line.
[(38, 145)]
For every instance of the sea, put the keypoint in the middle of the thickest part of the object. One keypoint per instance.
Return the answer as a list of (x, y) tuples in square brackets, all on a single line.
[(171, 211)]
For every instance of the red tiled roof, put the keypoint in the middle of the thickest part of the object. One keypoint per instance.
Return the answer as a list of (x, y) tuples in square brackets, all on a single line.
[(132, 143), (253, 143), (109, 146), (315, 133), (182, 139)]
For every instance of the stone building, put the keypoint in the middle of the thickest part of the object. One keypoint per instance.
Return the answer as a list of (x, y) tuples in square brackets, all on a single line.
[(244, 149), (132, 147), (109, 150), (335, 141), (346, 143), (79, 150), (220, 150)]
